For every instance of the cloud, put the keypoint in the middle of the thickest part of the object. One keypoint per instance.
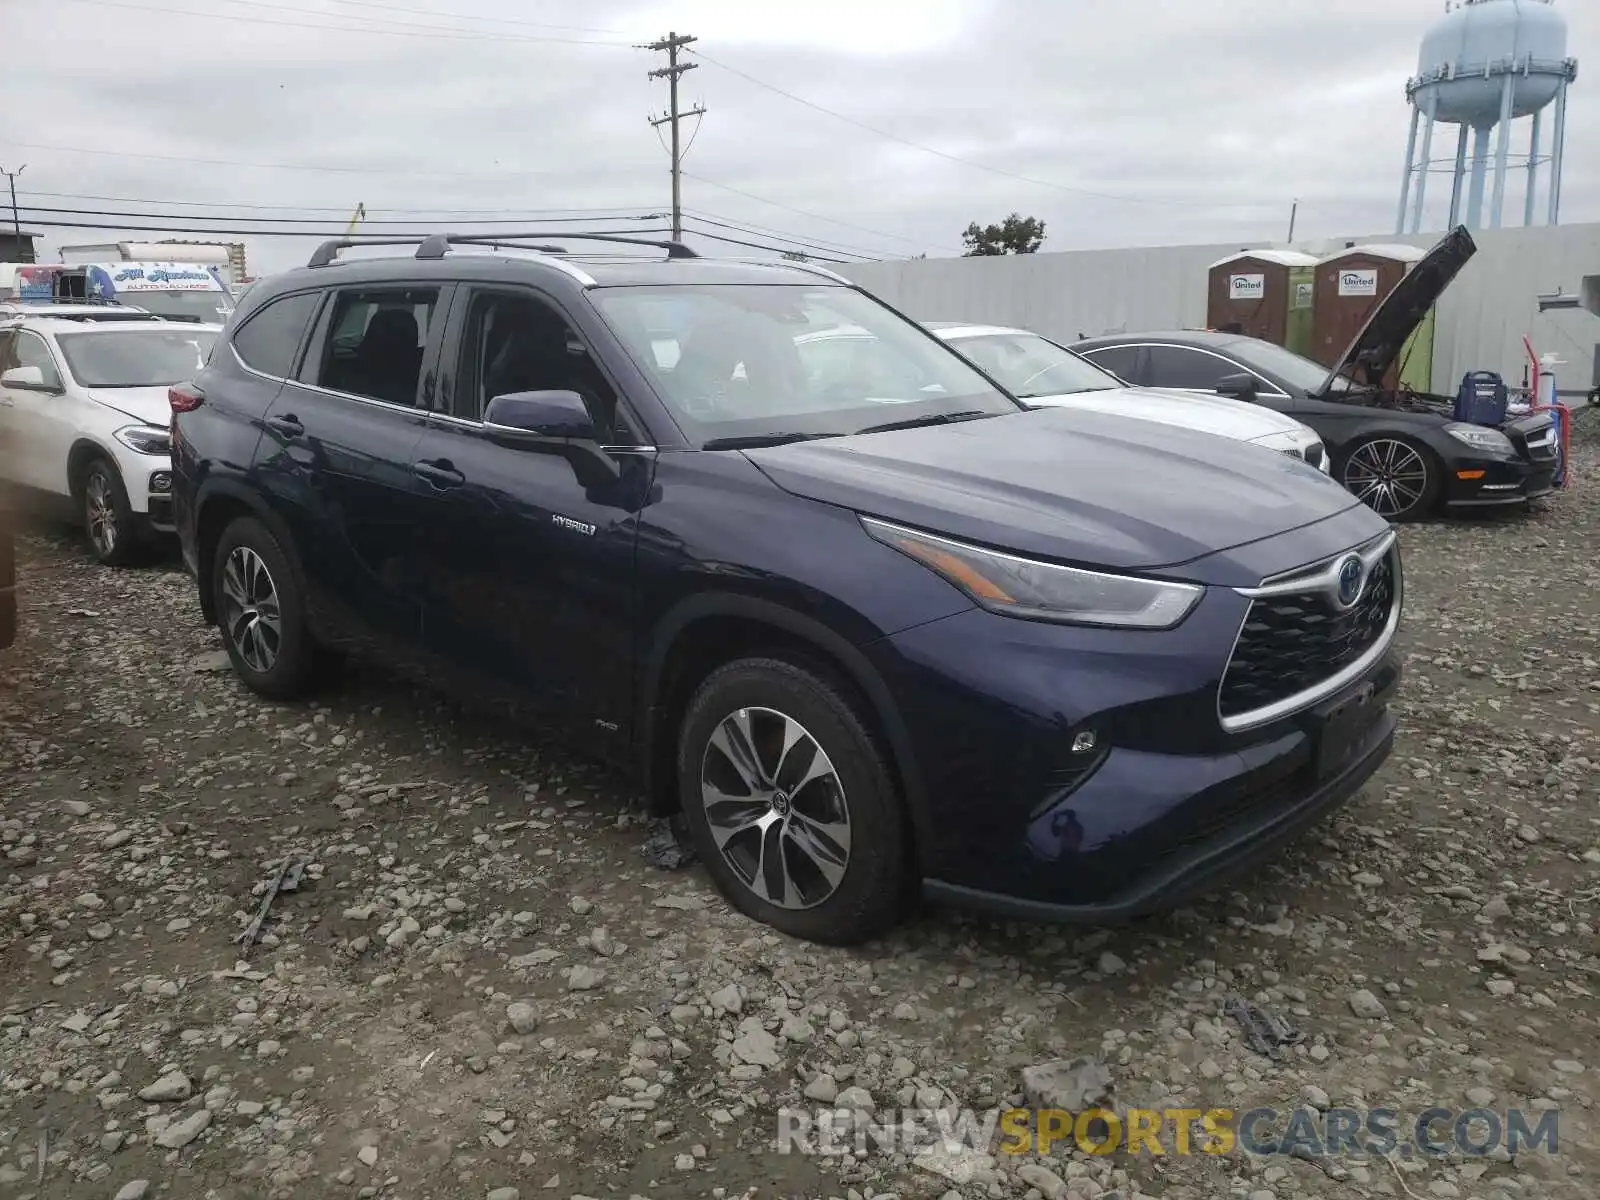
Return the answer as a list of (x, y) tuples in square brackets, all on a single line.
[(1147, 122)]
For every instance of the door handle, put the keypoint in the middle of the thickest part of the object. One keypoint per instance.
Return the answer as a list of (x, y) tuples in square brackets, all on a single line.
[(289, 425), (439, 473)]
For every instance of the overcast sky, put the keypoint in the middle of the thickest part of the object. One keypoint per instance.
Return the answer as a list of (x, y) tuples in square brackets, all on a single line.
[(1146, 122)]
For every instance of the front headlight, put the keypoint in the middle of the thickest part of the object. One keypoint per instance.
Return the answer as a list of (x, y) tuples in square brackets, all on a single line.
[(145, 439), (1481, 437), (1041, 591)]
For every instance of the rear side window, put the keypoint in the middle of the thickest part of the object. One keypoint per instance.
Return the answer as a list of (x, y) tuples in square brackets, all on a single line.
[(375, 343), (1119, 360), (268, 340), (1179, 367)]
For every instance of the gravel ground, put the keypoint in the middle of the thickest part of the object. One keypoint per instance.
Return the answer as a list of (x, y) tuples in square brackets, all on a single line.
[(482, 985)]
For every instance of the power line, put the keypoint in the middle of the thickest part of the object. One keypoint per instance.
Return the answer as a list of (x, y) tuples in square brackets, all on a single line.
[(330, 208), (491, 216), (805, 212), (234, 232), (200, 227), (193, 222), (430, 12), (956, 158), (366, 220), (419, 31), (835, 248), (261, 166)]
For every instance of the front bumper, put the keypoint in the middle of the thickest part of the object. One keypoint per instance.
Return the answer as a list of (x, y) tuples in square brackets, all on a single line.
[(1167, 802), (1237, 823), (1472, 482)]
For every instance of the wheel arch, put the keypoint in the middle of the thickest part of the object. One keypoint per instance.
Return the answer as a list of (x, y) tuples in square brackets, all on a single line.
[(219, 503), (706, 631), (85, 450)]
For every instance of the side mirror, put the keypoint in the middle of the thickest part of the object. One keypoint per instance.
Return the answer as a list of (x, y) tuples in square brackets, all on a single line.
[(29, 379), (1240, 387), (555, 422), (539, 415)]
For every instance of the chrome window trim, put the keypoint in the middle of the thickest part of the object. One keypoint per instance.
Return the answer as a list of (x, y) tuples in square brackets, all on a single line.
[(1323, 576), (1271, 389), (425, 414)]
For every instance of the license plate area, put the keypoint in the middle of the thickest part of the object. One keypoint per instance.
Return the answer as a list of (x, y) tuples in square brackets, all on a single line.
[(1341, 728)]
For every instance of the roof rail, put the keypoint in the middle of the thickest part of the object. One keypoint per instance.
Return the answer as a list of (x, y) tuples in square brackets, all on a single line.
[(437, 245), (329, 250), (813, 269)]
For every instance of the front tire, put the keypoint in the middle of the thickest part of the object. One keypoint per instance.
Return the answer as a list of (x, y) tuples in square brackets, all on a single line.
[(107, 516), (1394, 477), (791, 803), (261, 611)]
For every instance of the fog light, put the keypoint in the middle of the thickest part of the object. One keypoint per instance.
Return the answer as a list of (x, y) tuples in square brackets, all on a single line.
[(161, 481), (1084, 742)]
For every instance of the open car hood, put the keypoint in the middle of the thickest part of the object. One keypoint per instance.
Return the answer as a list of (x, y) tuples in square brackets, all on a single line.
[(1374, 351)]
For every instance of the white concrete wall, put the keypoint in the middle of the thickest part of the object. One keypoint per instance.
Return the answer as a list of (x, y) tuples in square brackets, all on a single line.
[(1482, 317)]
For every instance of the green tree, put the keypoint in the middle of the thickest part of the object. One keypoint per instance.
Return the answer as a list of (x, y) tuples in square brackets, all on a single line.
[(1015, 235)]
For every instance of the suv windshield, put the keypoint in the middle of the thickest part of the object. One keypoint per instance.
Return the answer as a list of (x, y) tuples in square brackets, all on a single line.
[(205, 307), (1293, 369), (115, 358), (1030, 366), (740, 361)]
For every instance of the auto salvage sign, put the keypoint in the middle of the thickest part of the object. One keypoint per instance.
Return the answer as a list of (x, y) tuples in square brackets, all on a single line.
[(166, 277), (1358, 283), (1247, 287)]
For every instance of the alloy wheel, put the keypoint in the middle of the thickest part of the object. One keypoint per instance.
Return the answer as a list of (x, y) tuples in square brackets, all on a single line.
[(1387, 475), (776, 807), (250, 612), (100, 513)]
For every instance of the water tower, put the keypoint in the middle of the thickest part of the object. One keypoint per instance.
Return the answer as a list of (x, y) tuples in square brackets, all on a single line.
[(1485, 65)]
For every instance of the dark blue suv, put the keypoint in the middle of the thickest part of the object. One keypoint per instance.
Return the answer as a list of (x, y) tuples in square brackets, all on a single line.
[(867, 621)]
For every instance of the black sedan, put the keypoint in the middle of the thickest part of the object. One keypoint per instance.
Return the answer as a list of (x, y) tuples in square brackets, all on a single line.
[(1400, 451)]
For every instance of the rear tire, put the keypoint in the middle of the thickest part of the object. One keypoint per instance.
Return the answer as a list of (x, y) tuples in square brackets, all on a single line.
[(1397, 478), (108, 518), (260, 609), (791, 803)]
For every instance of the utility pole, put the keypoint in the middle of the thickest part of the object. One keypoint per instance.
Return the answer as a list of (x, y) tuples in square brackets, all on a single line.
[(16, 223), (1294, 211), (674, 70)]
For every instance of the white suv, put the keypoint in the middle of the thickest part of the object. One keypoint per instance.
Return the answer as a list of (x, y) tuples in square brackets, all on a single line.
[(85, 406)]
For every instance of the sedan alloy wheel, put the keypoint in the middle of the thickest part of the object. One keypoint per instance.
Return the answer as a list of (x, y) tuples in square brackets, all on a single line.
[(1389, 476)]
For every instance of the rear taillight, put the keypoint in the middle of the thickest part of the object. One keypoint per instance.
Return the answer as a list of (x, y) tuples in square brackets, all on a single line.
[(185, 397)]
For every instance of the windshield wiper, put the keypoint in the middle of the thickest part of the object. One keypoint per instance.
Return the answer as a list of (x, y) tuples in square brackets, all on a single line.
[(919, 422), (754, 441)]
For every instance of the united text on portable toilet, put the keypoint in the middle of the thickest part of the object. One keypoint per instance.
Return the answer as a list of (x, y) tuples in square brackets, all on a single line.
[(1349, 287), (1264, 293)]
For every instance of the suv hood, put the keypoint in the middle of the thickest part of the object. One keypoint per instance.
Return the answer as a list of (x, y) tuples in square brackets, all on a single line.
[(1065, 484), (147, 404), (1208, 414), (1375, 348)]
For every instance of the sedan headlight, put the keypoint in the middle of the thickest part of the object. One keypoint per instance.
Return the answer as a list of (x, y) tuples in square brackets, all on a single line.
[(1041, 591), (145, 439), (1481, 437)]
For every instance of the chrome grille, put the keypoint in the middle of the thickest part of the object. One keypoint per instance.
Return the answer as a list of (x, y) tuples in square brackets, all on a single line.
[(1296, 640)]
